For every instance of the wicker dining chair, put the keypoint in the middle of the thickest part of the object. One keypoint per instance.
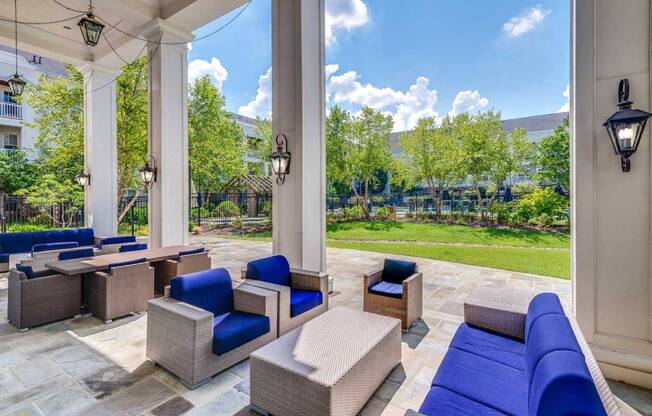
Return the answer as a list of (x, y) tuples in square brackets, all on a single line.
[(189, 261)]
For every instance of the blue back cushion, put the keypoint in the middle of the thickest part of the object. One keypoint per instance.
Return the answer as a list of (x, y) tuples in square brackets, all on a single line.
[(54, 246), (132, 247), (16, 242), (118, 240), (192, 251), (562, 385), (210, 290), (84, 236), (395, 271), (76, 254), (542, 304), (29, 272), (46, 237), (274, 269), (127, 263)]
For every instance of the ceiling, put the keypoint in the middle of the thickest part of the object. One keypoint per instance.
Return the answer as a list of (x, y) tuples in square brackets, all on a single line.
[(63, 41)]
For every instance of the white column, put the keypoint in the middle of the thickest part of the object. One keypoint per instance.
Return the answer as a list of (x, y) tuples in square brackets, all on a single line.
[(100, 149), (168, 134), (298, 112)]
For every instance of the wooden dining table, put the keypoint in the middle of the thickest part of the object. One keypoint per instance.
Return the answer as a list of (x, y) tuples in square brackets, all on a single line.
[(99, 263)]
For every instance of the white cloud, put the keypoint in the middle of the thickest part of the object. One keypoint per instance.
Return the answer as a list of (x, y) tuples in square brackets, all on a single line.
[(347, 88), (344, 14), (214, 69), (566, 107), (189, 46), (419, 102), (261, 105), (468, 102), (526, 22)]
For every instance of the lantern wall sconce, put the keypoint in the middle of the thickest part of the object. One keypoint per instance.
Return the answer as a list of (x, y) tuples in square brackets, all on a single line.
[(149, 172), (281, 159), (83, 179), (91, 28), (626, 126)]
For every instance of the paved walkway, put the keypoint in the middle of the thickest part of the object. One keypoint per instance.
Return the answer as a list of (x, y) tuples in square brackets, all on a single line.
[(83, 366)]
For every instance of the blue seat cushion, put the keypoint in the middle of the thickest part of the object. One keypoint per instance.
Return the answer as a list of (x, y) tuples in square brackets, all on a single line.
[(84, 236), (76, 254), (12, 243), (127, 263), (118, 240), (492, 384), (542, 304), (443, 402), (211, 290), (562, 385), (395, 271), (132, 247), (303, 300), (498, 348), (54, 246), (53, 236), (29, 272), (4, 257), (274, 269), (193, 251), (394, 290), (233, 329)]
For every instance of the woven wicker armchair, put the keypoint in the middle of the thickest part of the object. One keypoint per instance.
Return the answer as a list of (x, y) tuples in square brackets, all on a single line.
[(184, 338), (400, 297), (124, 289), (167, 270), (43, 299), (302, 295)]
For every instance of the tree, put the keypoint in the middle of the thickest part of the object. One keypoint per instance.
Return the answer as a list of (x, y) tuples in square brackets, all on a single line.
[(338, 145), (16, 172), (60, 201), (370, 151), (261, 148), (511, 153), (552, 158), (216, 142)]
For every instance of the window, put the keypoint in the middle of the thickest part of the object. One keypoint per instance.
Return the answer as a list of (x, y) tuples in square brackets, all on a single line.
[(8, 97), (11, 141)]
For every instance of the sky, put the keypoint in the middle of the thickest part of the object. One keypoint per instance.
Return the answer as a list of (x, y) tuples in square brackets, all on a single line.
[(407, 58)]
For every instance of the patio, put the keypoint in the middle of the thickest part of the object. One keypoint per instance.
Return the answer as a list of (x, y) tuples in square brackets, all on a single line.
[(83, 365)]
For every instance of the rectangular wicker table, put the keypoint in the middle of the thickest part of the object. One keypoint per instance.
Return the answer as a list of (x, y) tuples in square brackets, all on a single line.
[(331, 365)]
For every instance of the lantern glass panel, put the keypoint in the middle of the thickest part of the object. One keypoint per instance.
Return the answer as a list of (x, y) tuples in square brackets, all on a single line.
[(91, 30), (147, 175), (16, 85), (626, 134), (276, 164)]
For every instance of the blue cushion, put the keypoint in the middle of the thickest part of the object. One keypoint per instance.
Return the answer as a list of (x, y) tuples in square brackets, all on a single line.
[(485, 381), (542, 304), (4, 257), (54, 246), (53, 236), (395, 271), (443, 402), (118, 240), (132, 247), (210, 290), (84, 236), (127, 263), (192, 251), (29, 272), (394, 290), (76, 254), (274, 269), (303, 300), (12, 243), (508, 351), (562, 385), (234, 329)]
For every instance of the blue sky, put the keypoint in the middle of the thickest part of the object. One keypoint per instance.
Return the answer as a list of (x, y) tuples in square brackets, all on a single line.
[(410, 58)]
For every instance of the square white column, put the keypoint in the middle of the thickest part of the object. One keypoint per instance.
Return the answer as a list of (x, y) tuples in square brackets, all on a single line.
[(100, 149), (298, 111), (168, 134)]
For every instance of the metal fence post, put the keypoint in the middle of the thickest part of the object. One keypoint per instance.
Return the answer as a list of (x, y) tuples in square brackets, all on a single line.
[(131, 218)]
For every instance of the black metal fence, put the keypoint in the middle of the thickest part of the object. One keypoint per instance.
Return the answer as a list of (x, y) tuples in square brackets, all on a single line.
[(17, 214)]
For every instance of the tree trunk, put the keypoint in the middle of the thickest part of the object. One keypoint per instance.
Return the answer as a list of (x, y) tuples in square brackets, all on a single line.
[(129, 205), (480, 201), (365, 200)]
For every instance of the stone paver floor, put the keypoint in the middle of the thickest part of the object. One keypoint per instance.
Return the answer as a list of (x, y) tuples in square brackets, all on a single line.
[(82, 366)]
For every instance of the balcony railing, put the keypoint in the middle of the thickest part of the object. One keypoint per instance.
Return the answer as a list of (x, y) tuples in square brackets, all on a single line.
[(11, 110)]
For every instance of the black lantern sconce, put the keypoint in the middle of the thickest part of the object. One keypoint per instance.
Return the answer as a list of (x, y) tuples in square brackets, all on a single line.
[(281, 159), (91, 28), (83, 179), (149, 172), (16, 82), (625, 127)]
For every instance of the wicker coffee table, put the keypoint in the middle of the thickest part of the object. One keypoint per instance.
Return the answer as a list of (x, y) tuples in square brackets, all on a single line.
[(331, 365)]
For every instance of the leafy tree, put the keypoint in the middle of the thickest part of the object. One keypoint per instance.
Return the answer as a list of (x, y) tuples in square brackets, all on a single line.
[(58, 200), (216, 142), (553, 158), (262, 147), (511, 153), (338, 145), (16, 172)]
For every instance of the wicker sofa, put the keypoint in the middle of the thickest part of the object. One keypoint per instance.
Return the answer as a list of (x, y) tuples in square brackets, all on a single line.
[(518, 354), (205, 325), (396, 290), (190, 261), (302, 295)]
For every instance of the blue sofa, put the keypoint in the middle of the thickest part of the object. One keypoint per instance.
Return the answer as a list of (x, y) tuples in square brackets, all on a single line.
[(484, 373)]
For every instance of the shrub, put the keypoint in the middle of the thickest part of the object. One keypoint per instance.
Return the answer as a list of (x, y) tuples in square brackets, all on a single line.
[(382, 214), (355, 213), (266, 208), (501, 211), (22, 228), (543, 207), (331, 218), (227, 209)]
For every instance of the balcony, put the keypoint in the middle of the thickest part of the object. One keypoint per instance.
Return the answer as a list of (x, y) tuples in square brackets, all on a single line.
[(11, 111)]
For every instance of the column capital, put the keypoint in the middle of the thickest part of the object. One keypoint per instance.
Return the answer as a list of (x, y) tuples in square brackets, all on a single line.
[(171, 33), (91, 68)]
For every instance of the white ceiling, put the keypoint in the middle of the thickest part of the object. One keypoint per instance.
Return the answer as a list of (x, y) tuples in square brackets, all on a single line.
[(63, 41)]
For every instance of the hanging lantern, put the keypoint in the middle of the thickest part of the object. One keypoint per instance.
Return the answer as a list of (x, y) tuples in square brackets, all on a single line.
[(149, 173), (281, 159), (91, 28), (16, 84), (83, 179)]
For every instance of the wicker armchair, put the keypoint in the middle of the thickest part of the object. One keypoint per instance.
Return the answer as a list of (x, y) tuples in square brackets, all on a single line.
[(43, 299), (302, 295), (167, 270), (396, 290), (125, 288), (184, 337)]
